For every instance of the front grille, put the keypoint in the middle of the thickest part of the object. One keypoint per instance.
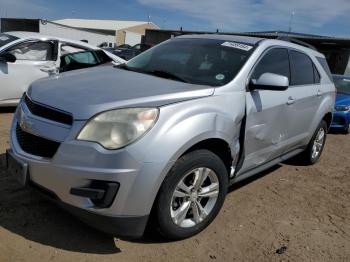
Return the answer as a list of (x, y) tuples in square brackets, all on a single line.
[(47, 112), (36, 145)]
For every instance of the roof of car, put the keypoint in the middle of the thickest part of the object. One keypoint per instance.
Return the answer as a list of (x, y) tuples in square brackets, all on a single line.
[(238, 38), (30, 35), (252, 41)]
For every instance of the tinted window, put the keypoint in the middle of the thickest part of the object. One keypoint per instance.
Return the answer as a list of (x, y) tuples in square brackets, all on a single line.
[(197, 61), (6, 39), (35, 51), (79, 60), (301, 68), (83, 57), (274, 61), (102, 57), (325, 66)]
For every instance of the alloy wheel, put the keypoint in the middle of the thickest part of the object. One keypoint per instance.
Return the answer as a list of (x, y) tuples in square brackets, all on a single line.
[(318, 143), (194, 197)]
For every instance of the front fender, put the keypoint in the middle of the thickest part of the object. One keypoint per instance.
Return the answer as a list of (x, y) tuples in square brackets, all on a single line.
[(179, 127)]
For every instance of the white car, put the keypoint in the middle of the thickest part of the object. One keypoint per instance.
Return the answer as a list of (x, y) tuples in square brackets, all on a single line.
[(26, 57)]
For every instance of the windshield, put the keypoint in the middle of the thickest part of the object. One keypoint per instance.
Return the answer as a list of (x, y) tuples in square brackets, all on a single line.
[(6, 39), (196, 61), (342, 84)]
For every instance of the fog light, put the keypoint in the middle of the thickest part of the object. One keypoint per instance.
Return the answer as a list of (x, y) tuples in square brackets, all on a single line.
[(101, 193)]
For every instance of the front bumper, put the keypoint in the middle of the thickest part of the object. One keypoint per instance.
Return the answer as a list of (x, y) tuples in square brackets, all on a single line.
[(121, 226), (341, 120), (77, 163)]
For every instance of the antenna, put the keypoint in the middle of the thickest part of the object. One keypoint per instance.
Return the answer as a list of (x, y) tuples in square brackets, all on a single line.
[(291, 21)]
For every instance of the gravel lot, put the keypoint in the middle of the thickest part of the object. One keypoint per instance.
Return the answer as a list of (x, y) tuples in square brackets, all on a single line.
[(303, 211)]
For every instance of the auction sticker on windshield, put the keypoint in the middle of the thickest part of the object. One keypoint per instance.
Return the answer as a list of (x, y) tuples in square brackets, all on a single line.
[(237, 46)]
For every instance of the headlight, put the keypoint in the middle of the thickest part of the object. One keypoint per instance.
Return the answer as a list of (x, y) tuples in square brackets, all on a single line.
[(117, 128), (342, 108)]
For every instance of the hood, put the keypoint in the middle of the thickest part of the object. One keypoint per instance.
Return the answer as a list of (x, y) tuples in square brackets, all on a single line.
[(342, 99), (87, 92)]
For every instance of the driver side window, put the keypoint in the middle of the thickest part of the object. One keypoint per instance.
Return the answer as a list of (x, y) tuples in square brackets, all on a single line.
[(275, 61), (33, 51)]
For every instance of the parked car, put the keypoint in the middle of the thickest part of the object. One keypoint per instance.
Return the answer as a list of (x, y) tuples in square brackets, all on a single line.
[(341, 115), (124, 46), (26, 57), (128, 53), (169, 131)]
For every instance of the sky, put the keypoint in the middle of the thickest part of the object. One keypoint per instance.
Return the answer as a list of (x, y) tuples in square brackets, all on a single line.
[(322, 17)]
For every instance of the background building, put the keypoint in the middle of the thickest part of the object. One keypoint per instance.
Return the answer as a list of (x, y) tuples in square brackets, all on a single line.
[(126, 32), (95, 32)]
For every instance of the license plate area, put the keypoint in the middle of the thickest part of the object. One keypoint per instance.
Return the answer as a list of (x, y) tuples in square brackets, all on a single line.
[(17, 169)]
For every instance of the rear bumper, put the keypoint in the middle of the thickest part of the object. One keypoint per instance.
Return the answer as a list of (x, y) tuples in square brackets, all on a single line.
[(341, 120)]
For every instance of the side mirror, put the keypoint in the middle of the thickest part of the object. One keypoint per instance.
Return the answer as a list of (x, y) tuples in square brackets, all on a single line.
[(269, 81), (7, 57)]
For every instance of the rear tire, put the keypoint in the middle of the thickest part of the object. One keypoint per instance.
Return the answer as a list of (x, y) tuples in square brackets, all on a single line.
[(315, 148), (191, 195)]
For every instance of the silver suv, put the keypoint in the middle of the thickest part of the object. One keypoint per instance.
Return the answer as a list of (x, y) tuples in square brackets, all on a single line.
[(164, 135)]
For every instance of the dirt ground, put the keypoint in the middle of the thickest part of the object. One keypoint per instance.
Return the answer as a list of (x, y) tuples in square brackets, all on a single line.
[(303, 210)]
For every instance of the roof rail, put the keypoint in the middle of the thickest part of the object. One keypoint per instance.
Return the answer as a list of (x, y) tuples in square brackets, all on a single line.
[(296, 41)]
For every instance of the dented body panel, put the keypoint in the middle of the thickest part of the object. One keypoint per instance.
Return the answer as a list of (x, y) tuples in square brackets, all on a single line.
[(260, 127)]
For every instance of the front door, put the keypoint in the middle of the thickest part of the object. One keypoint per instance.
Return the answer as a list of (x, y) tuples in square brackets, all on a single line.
[(35, 60), (267, 113)]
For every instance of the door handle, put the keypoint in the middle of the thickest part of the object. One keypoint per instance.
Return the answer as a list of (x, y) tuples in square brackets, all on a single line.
[(319, 92), (50, 70), (290, 101)]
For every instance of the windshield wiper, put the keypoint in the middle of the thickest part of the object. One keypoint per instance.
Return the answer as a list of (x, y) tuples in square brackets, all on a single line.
[(167, 75)]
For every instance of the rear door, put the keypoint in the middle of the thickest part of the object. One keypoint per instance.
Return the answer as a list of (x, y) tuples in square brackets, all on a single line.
[(267, 113), (35, 60), (304, 99)]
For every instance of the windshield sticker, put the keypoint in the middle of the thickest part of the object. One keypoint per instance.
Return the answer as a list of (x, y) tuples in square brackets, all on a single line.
[(220, 77), (4, 38), (237, 46)]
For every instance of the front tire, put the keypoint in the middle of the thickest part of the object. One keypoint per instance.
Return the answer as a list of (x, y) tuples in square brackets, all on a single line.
[(191, 195), (315, 148)]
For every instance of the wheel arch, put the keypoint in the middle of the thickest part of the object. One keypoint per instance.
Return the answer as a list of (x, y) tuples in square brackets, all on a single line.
[(328, 119), (218, 146)]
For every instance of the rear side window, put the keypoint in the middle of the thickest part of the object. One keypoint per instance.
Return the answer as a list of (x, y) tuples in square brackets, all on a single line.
[(102, 57), (325, 66), (274, 61), (301, 68), (85, 57)]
